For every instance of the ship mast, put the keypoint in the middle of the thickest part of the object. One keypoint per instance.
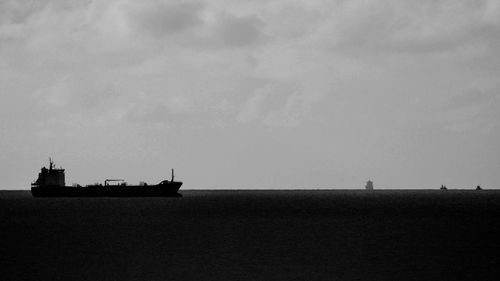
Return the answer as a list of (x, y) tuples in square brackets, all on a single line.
[(172, 175)]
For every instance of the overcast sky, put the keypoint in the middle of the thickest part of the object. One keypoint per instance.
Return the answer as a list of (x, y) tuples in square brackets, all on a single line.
[(252, 94)]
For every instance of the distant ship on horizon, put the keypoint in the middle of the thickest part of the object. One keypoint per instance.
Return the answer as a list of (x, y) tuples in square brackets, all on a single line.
[(369, 185), (51, 183)]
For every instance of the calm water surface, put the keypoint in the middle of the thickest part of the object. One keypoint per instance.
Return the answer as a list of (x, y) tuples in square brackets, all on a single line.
[(253, 235)]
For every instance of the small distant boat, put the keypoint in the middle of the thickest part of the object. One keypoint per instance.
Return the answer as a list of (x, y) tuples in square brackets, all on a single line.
[(51, 183), (479, 187), (443, 187), (369, 185)]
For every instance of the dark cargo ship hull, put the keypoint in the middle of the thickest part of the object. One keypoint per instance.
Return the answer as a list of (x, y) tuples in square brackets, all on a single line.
[(164, 190)]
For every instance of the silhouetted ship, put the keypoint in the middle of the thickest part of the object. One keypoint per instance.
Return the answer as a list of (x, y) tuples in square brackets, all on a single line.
[(369, 185), (51, 183)]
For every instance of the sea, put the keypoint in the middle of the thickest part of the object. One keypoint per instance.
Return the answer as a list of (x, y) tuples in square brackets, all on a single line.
[(254, 235)]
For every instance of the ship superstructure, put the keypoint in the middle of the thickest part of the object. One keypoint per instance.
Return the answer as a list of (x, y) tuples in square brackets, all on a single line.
[(369, 185), (51, 183), (50, 177)]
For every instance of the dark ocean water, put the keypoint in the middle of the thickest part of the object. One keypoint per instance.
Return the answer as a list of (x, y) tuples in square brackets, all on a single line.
[(253, 235)]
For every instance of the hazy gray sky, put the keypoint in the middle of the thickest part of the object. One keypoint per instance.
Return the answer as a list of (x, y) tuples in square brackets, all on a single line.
[(252, 94)]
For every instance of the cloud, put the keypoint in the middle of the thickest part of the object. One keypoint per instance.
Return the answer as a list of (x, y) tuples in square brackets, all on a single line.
[(472, 98), (239, 31), (161, 19), (186, 51), (291, 113), (17, 12), (473, 110), (281, 103), (252, 108), (372, 27), (57, 95), (348, 78)]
